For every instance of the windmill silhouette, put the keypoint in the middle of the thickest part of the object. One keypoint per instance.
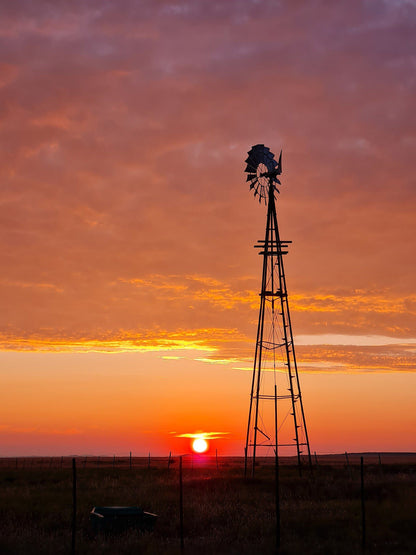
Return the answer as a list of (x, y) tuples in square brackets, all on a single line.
[(276, 416)]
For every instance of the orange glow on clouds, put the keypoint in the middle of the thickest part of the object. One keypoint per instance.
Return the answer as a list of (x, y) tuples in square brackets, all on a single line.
[(361, 312), (126, 225)]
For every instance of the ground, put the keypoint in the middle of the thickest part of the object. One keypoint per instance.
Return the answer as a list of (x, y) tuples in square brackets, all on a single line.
[(223, 512)]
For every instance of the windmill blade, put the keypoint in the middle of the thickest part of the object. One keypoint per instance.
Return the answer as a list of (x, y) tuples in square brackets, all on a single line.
[(257, 151), (251, 176), (251, 160)]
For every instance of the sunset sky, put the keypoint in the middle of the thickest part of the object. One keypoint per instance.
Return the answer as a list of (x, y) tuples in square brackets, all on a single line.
[(129, 284)]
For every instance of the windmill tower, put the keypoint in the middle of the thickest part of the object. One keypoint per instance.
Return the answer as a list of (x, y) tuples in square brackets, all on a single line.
[(276, 419)]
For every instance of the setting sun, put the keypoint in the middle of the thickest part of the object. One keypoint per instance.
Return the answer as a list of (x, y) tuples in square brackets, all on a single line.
[(199, 445)]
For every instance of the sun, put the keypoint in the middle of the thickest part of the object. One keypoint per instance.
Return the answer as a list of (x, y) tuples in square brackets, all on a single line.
[(199, 445)]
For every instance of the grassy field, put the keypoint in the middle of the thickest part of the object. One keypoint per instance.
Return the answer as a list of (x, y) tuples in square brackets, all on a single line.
[(223, 512)]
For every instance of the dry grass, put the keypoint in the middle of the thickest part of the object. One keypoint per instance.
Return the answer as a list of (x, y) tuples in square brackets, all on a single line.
[(224, 514)]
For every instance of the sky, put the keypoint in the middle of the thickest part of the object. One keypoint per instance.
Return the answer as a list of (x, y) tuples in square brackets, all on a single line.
[(129, 284)]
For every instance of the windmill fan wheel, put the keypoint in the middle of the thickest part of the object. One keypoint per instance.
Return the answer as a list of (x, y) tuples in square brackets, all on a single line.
[(262, 171)]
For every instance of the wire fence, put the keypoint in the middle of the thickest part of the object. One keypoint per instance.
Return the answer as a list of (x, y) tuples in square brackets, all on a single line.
[(200, 461)]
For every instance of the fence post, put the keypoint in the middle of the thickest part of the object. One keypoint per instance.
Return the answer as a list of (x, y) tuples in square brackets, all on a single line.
[(181, 503), (362, 506), (380, 464), (276, 462), (74, 505), (348, 465), (130, 460)]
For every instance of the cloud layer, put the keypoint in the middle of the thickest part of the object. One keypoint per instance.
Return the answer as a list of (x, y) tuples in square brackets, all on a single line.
[(125, 221)]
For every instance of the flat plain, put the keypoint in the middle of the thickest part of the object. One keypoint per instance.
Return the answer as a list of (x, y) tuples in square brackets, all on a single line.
[(223, 512)]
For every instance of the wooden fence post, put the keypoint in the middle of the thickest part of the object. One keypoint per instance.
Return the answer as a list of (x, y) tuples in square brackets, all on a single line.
[(348, 465), (380, 464), (181, 504), (363, 531), (276, 462), (74, 505)]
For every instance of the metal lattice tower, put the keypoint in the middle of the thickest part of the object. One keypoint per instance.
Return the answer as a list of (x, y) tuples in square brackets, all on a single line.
[(275, 387)]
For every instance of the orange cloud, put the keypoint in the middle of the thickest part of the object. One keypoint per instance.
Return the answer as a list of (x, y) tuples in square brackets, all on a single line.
[(125, 221), (177, 300), (159, 340), (352, 358)]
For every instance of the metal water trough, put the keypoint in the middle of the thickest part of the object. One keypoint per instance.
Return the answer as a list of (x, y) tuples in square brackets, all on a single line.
[(114, 520)]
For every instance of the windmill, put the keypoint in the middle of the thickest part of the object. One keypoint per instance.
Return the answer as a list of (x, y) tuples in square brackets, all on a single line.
[(276, 417)]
